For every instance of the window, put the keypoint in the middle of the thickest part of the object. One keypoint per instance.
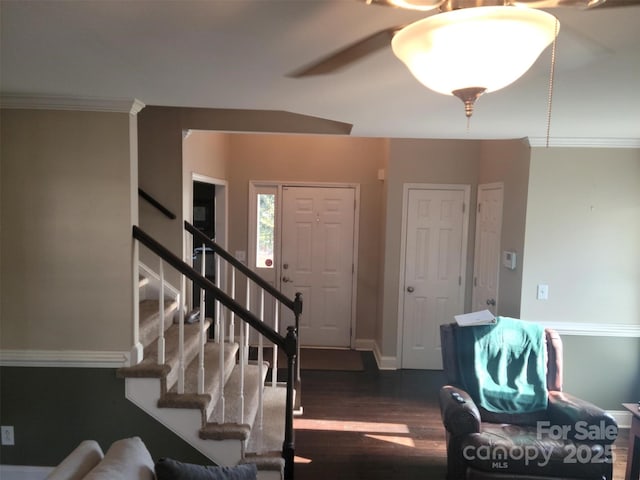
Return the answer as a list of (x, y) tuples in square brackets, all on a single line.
[(265, 230)]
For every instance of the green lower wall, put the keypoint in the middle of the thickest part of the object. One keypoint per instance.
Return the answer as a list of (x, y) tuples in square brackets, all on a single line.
[(602, 370), (53, 409)]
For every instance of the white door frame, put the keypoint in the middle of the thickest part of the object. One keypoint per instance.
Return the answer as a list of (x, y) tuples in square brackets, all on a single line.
[(221, 222), (251, 230), (403, 241)]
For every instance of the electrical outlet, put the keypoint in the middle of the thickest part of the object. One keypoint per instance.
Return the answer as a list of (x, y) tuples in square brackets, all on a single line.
[(6, 433)]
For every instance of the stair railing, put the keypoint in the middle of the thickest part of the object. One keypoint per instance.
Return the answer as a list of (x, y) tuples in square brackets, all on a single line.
[(155, 203), (288, 343), (295, 305)]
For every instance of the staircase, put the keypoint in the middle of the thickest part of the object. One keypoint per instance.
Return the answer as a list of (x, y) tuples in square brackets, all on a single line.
[(207, 391)]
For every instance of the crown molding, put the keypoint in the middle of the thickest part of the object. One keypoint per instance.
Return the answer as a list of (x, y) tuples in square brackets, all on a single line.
[(63, 358), (82, 104), (578, 142)]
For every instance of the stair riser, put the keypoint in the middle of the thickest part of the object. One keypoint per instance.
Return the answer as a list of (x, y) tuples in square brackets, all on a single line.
[(191, 351), (144, 392), (228, 369), (150, 325)]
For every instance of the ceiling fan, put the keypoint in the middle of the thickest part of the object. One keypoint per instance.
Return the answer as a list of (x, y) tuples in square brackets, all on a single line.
[(382, 38), (427, 46)]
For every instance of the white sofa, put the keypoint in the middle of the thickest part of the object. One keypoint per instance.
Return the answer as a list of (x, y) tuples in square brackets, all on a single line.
[(126, 459), (129, 459)]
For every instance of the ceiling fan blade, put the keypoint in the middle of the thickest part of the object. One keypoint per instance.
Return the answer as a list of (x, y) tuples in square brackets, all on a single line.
[(583, 4), (347, 55), (618, 3)]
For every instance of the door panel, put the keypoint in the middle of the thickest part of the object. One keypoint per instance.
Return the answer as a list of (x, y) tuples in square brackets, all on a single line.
[(317, 260), (487, 250), (432, 273)]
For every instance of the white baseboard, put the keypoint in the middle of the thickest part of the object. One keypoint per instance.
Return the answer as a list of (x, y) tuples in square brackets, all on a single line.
[(20, 472), (365, 344), (384, 363), (623, 417)]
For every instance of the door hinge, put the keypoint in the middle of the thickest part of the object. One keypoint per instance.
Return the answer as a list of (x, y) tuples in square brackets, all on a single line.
[(459, 279), (353, 268), (464, 207), (475, 281), (478, 208)]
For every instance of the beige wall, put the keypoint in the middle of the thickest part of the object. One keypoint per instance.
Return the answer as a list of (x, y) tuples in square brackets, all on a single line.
[(203, 153), (305, 158), (67, 212), (583, 236), (452, 162), (507, 161), (417, 161), (583, 240), (160, 135)]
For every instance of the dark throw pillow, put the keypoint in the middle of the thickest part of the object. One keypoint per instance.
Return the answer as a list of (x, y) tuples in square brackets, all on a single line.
[(168, 469)]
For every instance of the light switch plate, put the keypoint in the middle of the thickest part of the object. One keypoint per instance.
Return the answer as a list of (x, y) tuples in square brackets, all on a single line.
[(543, 291)]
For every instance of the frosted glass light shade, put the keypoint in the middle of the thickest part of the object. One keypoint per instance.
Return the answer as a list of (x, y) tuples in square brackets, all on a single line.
[(481, 47), (422, 5)]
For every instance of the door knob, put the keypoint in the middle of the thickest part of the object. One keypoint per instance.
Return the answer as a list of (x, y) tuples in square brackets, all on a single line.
[(491, 302), (410, 289), (286, 279)]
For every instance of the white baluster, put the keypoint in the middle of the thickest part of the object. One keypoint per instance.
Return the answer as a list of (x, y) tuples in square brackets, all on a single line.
[(222, 380), (245, 324), (260, 362), (181, 366), (218, 312), (244, 350), (161, 342), (202, 330), (232, 315)]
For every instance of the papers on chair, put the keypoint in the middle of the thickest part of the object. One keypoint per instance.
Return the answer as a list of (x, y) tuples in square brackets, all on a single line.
[(482, 317)]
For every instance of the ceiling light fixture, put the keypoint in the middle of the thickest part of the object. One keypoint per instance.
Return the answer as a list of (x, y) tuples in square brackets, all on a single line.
[(471, 51)]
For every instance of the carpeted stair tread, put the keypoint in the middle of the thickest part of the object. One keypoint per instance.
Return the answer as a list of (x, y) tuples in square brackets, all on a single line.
[(268, 461), (150, 319), (271, 436), (215, 427), (149, 367), (191, 399), (225, 431)]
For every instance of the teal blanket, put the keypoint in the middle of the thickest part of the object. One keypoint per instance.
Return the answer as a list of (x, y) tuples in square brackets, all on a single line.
[(503, 366)]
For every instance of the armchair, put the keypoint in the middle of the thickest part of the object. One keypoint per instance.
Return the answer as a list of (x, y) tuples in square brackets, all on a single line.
[(567, 439)]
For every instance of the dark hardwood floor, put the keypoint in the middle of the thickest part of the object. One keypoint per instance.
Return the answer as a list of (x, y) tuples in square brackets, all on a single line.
[(377, 425)]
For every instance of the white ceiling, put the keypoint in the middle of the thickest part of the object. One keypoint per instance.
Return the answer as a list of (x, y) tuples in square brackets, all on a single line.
[(236, 54)]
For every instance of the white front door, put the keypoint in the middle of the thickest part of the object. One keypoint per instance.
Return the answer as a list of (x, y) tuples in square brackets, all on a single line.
[(486, 266), (433, 289), (318, 261)]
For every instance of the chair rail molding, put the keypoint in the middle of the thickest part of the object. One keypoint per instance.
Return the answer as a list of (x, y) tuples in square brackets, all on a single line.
[(594, 329), (82, 104), (64, 358)]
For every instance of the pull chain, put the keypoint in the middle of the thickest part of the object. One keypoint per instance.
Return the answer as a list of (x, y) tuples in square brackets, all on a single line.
[(551, 76)]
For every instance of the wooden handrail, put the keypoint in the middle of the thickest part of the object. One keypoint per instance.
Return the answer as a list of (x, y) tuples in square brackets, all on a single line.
[(165, 211), (266, 286)]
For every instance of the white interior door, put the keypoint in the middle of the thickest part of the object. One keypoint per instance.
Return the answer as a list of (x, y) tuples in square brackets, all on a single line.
[(486, 266), (433, 271), (318, 261)]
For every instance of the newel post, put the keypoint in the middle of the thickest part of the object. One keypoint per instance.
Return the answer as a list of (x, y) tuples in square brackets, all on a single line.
[(288, 447)]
